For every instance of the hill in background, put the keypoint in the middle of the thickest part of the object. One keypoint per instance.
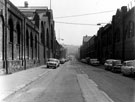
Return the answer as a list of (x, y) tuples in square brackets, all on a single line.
[(71, 49)]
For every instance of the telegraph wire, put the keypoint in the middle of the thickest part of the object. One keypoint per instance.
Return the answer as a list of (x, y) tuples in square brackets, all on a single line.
[(76, 23), (85, 14)]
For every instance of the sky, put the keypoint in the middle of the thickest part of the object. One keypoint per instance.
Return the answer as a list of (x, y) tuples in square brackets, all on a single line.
[(65, 13)]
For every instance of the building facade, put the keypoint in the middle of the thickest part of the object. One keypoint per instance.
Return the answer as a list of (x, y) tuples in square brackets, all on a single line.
[(115, 40), (27, 36)]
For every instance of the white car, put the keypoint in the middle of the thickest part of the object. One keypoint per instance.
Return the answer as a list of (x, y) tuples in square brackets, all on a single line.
[(52, 62), (133, 71), (94, 62), (128, 67)]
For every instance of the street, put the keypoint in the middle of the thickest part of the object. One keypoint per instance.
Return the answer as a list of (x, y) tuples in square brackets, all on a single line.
[(68, 82)]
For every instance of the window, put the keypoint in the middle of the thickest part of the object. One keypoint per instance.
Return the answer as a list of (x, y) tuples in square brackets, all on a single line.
[(27, 38), (31, 44), (126, 33), (131, 29), (11, 37), (117, 35), (35, 46), (10, 30), (42, 34), (27, 43), (18, 34)]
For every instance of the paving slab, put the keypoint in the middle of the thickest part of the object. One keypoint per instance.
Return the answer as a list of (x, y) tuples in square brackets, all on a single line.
[(11, 83)]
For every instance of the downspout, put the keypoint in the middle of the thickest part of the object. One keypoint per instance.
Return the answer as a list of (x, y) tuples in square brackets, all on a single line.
[(5, 39), (24, 38)]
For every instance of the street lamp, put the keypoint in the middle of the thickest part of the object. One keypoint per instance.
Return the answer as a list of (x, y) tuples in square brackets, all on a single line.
[(101, 23)]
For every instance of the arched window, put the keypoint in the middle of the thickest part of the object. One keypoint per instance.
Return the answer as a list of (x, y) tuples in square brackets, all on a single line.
[(18, 33), (126, 33), (31, 44), (27, 43), (11, 36), (27, 38), (117, 35), (47, 38), (35, 47), (131, 28), (42, 33), (52, 36)]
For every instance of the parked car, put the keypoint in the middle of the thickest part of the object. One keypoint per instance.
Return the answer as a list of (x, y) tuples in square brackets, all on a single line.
[(83, 60), (108, 64), (128, 67), (133, 71), (87, 60), (52, 62), (62, 60), (94, 62), (116, 66)]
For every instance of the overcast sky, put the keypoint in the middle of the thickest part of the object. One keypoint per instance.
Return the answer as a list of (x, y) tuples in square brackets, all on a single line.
[(73, 34)]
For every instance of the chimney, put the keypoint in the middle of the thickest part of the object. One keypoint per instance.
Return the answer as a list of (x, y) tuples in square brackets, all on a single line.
[(26, 4)]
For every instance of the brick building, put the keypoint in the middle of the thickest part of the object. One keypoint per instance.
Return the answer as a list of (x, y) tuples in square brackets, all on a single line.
[(115, 40), (27, 36)]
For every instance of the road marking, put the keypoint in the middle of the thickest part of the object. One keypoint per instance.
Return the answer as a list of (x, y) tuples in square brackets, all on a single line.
[(90, 90)]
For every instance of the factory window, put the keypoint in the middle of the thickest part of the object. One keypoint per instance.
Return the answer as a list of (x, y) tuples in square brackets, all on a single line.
[(11, 30), (36, 47), (131, 29), (31, 44), (126, 33), (27, 43), (117, 35), (11, 37), (42, 33), (18, 33)]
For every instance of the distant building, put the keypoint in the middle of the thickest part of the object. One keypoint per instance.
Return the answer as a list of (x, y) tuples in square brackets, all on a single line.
[(115, 40), (86, 39)]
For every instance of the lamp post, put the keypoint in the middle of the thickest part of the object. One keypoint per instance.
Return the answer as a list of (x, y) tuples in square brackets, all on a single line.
[(101, 24)]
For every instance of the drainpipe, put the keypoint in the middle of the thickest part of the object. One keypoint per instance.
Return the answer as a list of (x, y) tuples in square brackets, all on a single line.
[(24, 45), (5, 39)]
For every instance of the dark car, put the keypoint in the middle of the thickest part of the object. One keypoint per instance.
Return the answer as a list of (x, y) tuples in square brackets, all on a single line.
[(108, 64), (116, 66), (62, 60), (94, 62)]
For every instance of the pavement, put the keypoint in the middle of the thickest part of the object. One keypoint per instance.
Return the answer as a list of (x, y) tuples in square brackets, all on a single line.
[(12, 83)]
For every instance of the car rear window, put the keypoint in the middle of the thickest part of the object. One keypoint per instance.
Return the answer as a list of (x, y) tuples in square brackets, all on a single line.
[(54, 60), (131, 63)]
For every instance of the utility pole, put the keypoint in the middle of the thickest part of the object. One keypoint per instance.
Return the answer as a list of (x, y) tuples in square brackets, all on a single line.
[(50, 4)]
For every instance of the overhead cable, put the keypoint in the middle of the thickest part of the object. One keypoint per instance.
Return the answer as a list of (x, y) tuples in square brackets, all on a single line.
[(85, 14), (76, 23)]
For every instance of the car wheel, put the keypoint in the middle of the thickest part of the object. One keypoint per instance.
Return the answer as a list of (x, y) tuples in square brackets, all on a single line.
[(113, 69), (47, 66)]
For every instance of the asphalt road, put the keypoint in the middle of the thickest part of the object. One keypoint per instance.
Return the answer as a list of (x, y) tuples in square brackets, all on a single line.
[(62, 85), (118, 87)]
